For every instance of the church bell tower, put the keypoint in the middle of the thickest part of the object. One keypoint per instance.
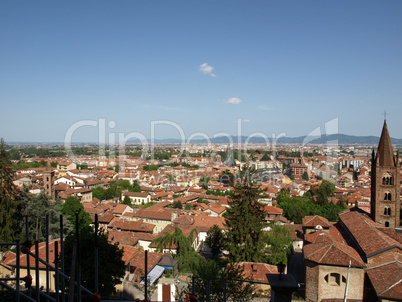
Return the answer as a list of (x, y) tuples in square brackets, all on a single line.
[(385, 186), (48, 178)]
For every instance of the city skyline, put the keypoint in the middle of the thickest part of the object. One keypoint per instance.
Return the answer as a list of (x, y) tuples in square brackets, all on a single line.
[(286, 67)]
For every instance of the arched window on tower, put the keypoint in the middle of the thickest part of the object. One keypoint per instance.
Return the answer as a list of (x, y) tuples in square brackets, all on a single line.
[(386, 224), (387, 196), (387, 211)]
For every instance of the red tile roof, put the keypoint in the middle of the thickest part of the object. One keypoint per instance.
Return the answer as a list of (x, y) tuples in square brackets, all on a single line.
[(258, 271), (332, 253), (313, 221), (387, 280), (365, 233)]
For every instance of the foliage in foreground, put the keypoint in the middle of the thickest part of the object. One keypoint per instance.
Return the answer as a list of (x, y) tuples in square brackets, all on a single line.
[(212, 271), (111, 265), (186, 256), (8, 195)]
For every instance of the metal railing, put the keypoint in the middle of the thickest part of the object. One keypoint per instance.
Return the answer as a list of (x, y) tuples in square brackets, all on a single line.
[(60, 278)]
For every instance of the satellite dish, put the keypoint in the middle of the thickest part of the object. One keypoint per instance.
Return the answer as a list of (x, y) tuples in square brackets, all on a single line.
[(318, 227)]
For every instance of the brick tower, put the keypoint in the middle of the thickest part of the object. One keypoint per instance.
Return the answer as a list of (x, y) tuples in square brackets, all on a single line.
[(385, 186), (48, 178)]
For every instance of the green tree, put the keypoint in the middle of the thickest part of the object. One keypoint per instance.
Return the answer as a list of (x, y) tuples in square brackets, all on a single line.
[(110, 193), (245, 222), (99, 193), (279, 244), (37, 208), (305, 176), (215, 240), (135, 187), (126, 200), (282, 194), (8, 197), (150, 167), (211, 271), (71, 207), (186, 256), (111, 265), (177, 205), (124, 184), (265, 157), (326, 190)]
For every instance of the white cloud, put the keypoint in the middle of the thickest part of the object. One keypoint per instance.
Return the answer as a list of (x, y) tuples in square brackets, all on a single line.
[(206, 69), (233, 101), (264, 108)]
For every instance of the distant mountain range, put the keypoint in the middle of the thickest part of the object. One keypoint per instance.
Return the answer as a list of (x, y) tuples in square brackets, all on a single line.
[(341, 139)]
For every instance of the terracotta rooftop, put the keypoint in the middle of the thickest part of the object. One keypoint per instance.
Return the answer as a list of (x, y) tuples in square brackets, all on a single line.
[(387, 280), (122, 237), (11, 261), (313, 221), (133, 226), (258, 271), (135, 194), (332, 253), (365, 232)]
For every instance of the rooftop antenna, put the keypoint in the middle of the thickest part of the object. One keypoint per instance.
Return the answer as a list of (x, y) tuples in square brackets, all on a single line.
[(385, 115)]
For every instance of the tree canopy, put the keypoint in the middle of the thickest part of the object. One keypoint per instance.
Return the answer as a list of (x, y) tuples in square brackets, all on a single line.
[(8, 197), (295, 208), (37, 208), (214, 240), (279, 244), (71, 207), (111, 265), (209, 270), (186, 256), (245, 220)]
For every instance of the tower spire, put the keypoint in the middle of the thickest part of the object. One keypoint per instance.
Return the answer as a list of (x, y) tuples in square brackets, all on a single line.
[(385, 152)]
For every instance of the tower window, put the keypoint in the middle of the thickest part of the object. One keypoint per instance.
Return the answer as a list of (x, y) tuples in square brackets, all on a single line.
[(387, 196), (387, 179), (386, 224), (387, 211)]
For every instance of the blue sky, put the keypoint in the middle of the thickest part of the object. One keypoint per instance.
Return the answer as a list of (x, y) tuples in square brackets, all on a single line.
[(279, 66)]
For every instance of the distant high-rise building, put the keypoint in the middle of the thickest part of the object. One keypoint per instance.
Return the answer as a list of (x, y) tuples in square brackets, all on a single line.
[(385, 185)]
